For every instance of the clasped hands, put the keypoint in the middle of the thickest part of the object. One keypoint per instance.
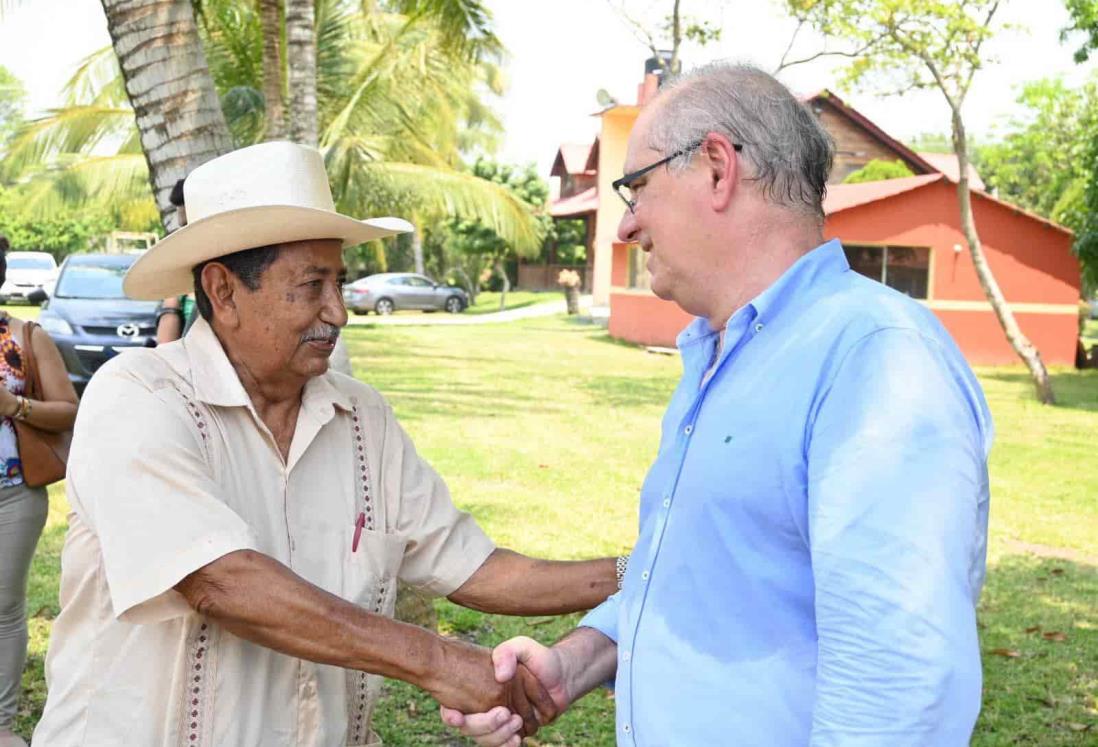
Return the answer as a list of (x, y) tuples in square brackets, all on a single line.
[(530, 677)]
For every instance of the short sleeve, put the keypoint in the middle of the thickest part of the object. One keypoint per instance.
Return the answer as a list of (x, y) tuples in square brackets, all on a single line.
[(445, 546), (139, 478), (604, 618)]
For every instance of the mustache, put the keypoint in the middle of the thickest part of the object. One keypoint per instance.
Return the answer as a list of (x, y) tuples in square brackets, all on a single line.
[(322, 332)]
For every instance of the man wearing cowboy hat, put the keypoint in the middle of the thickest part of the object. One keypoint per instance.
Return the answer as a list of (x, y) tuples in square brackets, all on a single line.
[(241, 515)]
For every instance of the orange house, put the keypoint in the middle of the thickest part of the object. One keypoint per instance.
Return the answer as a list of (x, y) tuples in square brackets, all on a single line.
[(903, 232)]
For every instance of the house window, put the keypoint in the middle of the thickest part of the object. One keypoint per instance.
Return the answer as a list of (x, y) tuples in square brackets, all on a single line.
[(638, 268), (904, 268)]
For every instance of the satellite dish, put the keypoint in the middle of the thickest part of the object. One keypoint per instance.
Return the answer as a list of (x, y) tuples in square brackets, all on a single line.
[(605, 99)]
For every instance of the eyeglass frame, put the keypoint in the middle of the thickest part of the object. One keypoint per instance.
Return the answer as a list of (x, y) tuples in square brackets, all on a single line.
[(628, 179)]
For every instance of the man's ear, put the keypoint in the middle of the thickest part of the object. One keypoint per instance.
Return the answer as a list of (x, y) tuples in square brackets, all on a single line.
[(724, 167), (221, 288)]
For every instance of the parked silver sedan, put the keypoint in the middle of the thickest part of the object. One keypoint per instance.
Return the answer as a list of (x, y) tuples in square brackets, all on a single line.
[(391, 291)]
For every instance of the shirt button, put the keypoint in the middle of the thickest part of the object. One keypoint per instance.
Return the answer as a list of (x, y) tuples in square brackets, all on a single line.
[(759, 327), (644, 576), (666, 502), (627, 728), (688, 430), (626, 656)]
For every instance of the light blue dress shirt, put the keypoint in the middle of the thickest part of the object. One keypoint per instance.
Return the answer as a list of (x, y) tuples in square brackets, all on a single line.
[(813, 530)]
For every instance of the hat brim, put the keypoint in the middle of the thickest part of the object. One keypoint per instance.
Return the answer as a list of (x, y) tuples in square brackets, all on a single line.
[(165, 270)]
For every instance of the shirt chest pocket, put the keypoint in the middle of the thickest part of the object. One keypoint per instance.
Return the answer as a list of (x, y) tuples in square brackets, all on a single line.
[(374, 569)]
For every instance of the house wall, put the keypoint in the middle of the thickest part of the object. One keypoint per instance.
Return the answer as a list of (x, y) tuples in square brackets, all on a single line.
[(617, 123), (854, 145), (1031, 261)]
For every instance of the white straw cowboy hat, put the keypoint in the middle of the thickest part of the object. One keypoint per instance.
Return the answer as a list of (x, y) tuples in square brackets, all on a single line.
[(256, 196)]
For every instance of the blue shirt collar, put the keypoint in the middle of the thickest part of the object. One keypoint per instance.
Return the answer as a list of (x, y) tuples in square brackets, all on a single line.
[(825, 260)]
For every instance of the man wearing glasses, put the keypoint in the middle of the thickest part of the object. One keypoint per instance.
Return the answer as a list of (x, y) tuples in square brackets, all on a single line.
[(813, 530)]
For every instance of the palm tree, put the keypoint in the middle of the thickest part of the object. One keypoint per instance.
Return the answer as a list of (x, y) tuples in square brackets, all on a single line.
[(270, 13), (397, 107), (175, 105), (301, 53)]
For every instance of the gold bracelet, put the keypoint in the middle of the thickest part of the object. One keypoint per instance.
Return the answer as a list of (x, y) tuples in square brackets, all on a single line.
[(23, 410)]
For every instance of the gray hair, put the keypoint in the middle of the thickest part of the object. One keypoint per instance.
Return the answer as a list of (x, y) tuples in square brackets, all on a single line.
[(787, 148)]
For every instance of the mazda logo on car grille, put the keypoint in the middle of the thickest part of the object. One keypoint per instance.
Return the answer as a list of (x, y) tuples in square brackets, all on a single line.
[(128, 330)]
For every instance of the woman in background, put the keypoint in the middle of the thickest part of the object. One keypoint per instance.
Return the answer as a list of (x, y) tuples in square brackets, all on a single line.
[(22, 509)]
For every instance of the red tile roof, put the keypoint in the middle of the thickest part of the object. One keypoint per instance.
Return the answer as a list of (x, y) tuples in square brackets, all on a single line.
[(583, 203), (845, 196), (571, 159), (947, 164)]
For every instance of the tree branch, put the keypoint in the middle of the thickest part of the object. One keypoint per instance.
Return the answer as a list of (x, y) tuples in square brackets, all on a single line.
[(789, 48), (639, 32), (828, 53)]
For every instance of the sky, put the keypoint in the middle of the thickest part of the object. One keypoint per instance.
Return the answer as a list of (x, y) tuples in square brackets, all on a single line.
[(562, 52)]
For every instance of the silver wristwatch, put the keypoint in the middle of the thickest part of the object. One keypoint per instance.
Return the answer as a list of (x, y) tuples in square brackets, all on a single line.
[(619, 568)]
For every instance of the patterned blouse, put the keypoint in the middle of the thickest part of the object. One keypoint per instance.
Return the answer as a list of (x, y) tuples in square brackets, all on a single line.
[(12, 378)]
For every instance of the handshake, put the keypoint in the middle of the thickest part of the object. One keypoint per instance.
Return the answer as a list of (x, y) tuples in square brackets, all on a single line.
[(525, 691)]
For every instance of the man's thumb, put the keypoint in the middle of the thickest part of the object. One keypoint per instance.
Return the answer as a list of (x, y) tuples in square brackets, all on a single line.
[(507, 655)]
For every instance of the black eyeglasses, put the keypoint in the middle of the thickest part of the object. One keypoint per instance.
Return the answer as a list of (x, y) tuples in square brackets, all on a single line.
[(623, 186)]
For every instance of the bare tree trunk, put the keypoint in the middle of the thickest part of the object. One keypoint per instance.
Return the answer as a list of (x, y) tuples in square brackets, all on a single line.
[(417, 249), (301, 54), (270, 13), (1025, 349), (169, 86)]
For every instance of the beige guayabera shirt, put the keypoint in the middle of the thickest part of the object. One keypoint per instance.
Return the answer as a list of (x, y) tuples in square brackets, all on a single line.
[(170, 469)]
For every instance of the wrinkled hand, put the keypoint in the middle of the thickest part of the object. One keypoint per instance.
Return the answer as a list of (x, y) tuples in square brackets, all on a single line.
[(499, 726), (468, 682)]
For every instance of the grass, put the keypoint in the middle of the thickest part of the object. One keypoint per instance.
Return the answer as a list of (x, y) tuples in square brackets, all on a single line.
[(488, 302), (1090, 333), (544, 430)]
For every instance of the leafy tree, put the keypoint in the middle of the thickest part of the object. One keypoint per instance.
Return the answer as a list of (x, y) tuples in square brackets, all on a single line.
[(60, 234), (472, 250), (398, 100), (908, 44), (878, 170), (1084, 20), (668, 32), (12, 95), (1039, 162)]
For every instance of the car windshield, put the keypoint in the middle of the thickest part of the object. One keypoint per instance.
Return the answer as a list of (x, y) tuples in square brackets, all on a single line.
[(30, 263), (90, 279)]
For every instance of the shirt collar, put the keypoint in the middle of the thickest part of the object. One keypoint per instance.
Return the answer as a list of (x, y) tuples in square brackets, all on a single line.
[(825, 260), (828, 259), (216, 382)]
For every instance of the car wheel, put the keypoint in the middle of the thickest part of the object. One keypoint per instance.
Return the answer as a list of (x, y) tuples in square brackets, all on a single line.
[(384, 306), (454, 304)]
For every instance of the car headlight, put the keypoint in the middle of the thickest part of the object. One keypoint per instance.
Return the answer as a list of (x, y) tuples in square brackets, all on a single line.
[(55, 325)]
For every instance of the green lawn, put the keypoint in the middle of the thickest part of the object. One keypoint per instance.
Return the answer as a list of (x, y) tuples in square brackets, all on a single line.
[(544, 429), (488, 301)]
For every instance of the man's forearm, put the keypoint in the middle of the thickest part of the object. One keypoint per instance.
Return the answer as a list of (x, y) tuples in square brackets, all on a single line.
[(512, 584), (257, 598), (588, 659)]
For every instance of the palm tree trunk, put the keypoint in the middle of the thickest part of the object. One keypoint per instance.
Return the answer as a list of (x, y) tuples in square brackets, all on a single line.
[(301, 54), (1025, 349), (169, 86), (417, 250), (506, 284), (270, 13)]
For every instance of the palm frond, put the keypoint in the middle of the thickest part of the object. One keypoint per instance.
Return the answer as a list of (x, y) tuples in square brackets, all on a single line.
[(436, 193), (97, 81), (74, 129)]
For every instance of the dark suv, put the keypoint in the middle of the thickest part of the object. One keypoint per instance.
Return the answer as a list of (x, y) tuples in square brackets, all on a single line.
[(89, 317)]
